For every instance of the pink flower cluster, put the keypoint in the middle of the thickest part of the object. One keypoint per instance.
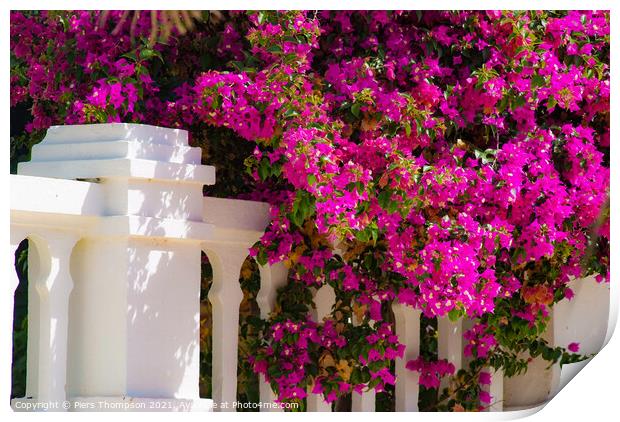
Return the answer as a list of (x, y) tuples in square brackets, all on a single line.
[(478, 341), (431, 372), (294, 347)]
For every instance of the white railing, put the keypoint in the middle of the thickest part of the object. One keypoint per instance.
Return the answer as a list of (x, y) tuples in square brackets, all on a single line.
[(114, 281)]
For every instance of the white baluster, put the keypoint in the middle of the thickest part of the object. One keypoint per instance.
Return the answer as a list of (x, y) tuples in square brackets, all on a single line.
[(495, 389), (324, 299), (450, 344), (225, 296), (272, 277), (36, 267), (54, 290), (364, 402), (407, 322)]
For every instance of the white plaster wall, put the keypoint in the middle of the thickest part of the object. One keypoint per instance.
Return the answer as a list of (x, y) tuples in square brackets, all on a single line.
[(530, 389), (582, 320)]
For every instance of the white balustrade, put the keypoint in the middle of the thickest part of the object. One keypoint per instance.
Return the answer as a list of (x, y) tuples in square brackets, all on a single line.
[(114, 280), (49, 286)]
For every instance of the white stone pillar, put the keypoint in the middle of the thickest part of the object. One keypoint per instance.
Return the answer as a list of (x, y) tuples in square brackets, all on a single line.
[(135, 311), (225, 296), (407, 321), (272, 277), (324, 299)]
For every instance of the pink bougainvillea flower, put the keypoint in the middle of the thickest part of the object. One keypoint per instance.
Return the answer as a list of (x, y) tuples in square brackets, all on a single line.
[(484, 378), (485, 397)]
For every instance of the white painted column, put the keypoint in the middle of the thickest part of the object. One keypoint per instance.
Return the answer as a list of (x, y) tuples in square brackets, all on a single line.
[(225, 296), (408, 331), (450, 343), (38, 257), (495, 389), (366, 401), (54, 293), (272, 277), (324, 299)]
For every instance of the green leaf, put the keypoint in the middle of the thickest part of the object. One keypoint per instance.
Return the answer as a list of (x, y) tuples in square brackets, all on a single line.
[(407, 128), (362, 235), (454, 314), (290, 113), (263, 169), (303, 207), (355, 110), (149, 53), (384, 198), (275, 48), (537, 81)]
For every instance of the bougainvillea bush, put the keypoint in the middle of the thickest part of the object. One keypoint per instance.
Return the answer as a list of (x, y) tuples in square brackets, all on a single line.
[(455, 162)]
